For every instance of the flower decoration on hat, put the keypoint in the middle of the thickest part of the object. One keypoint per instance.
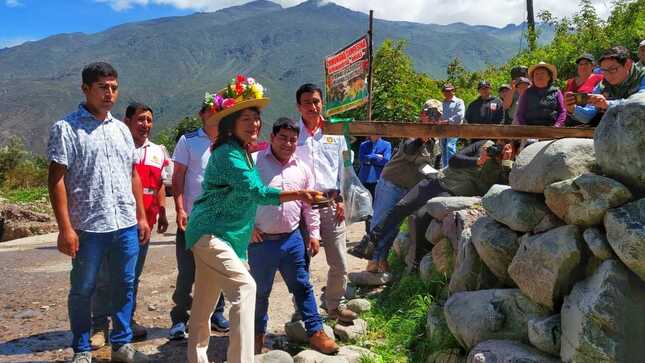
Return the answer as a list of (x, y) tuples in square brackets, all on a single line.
[(240, 89)]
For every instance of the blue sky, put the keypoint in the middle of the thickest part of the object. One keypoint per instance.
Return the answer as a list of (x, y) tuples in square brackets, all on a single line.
[(22, 20)]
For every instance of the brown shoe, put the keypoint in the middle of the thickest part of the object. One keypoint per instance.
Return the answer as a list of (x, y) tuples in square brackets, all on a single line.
[(138, 330), (259, 344), (372, 266), (99, 338), (322, 343), (343, 315), (383, 266)]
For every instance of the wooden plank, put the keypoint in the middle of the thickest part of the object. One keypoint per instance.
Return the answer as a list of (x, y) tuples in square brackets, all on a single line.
[(409, 129)]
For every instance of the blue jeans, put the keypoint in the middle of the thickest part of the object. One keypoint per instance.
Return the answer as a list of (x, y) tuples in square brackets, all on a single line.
[(288, 256), (387, 195), (448, 149), (121, 249), (101, 304)]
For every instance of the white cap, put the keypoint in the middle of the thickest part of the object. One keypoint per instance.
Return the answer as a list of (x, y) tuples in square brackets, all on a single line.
[(642, 44)]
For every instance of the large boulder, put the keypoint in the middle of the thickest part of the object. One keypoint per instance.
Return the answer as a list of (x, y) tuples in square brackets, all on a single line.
[(477, 316), (274, 356), (546, 265), (619, 141), (603, 319), (626, 234), (443, 257), (547, 162), (434, 232), (584, 200), (437, 330), (426, 268), (439, 207), (454, 223), (519, 211), (402, 245), (506, 351), (364, 278), (470, 272), (545, 334), (598, 244), (345, 333), (496, 245)]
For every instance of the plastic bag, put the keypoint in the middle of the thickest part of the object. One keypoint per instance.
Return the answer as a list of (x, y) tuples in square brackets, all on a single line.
[(358, 200)]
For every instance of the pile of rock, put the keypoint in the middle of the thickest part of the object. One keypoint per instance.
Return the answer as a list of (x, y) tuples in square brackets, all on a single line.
[(18, 222), (552, 267)]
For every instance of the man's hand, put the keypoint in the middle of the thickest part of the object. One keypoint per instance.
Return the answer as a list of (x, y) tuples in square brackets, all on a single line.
[(162, 224), (182, 220), (144, 231), (570, 102), (340, 212), (599, 101), (256, 237), (68, 242), (313, 246), (309, 196)]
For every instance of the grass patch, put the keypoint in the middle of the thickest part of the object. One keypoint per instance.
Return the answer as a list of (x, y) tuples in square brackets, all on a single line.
[(397, 321), (25, 195)]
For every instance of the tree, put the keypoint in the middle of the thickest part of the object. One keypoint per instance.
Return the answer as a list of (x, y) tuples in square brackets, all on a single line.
[(168, 137)]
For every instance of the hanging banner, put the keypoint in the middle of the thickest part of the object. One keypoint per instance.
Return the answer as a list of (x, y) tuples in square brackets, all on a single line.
[(346, 74)]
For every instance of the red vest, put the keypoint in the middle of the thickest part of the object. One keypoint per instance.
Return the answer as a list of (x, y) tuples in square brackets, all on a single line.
[(151, 161)]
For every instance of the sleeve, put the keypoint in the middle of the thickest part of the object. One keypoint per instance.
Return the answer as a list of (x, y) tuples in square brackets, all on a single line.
[(166, 172), (466, 157), (469, 113), (362, 153), (59, 148), (460, 114), (586, 113), (387, 155), (312, 216), (521, 110), (499, 112), (569, 87), (247, 180), (181, 154), (562, 114)]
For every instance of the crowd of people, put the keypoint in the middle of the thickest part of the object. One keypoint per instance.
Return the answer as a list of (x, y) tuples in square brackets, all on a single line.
[(246, 210)]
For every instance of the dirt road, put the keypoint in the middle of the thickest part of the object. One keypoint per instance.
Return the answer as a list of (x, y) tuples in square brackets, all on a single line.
[(34, 283)]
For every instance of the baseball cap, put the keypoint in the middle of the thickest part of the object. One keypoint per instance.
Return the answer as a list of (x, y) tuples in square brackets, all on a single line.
[(483, 84), (519, 80), (448, 87), (503, 87), (585, 56)]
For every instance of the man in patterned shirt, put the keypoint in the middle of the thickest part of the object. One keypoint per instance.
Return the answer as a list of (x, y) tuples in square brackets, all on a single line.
[(151, 159), (96, 195)]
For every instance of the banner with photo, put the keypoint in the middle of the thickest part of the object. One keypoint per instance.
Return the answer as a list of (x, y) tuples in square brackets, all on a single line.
[(346, 74)]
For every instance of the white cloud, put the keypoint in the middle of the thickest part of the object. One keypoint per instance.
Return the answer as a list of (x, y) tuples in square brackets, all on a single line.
[(13, 3), (490, 12)]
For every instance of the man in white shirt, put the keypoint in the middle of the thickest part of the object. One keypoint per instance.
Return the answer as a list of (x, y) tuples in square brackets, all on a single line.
[(324, 156)]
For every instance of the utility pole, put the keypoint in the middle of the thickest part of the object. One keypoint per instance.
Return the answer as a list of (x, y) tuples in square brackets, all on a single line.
[(532, 35), (370, 33)]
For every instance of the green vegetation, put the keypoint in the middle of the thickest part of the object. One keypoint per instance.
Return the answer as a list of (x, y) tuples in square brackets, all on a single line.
[(23, 176), (397, 321), (169, 136)]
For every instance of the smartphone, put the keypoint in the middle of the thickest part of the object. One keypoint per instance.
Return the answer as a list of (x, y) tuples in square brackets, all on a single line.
[(581, 98)]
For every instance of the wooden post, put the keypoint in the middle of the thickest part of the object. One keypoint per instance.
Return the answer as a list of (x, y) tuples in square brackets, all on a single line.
[(370, 33), (416, 130)]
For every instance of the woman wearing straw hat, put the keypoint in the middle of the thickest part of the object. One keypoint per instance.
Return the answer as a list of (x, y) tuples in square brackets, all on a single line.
[(543, 103), (221, 222)]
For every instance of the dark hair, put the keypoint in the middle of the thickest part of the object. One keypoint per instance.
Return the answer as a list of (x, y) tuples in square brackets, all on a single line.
[(226, 128), (307, 88), (619, 53), (133, 107), (93, 71), (285, 123)]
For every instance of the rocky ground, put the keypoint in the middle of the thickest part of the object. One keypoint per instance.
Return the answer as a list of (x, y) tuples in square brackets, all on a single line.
[(33, 310)]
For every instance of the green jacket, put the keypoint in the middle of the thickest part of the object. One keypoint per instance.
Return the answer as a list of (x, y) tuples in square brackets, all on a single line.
[(231, 192)]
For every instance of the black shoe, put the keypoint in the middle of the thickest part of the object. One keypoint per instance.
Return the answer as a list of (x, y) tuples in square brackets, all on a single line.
[(363, 250)]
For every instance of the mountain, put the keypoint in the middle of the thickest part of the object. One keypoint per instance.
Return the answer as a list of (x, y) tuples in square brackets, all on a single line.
[(168, 63)]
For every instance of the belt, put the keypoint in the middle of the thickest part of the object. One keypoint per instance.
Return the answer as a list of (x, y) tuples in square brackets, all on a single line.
[(275, 236)]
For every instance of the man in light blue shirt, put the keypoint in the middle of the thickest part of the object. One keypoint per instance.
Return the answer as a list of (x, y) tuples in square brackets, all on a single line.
[(454, 110)]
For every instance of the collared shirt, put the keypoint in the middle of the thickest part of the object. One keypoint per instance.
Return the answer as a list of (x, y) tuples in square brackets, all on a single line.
[(291, 176), (151, 160), (99, 156), (193, 151), (454, 110), (232, 191), (373, 157), (324, 156)]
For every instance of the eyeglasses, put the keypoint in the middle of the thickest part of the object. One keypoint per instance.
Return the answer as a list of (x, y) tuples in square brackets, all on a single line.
[(610, 70)]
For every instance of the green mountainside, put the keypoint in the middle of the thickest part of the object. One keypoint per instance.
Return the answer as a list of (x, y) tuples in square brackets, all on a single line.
[(170, 62)]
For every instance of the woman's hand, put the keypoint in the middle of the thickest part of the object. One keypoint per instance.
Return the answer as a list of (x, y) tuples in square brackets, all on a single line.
[(310, 196)]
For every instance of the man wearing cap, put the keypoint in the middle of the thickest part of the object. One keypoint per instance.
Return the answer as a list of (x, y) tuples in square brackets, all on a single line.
[(519, 85), (585, 80), (641, 54), (405, 170), (277, 244), (190, 157), (454, 111), (486, 109), (622, 78)]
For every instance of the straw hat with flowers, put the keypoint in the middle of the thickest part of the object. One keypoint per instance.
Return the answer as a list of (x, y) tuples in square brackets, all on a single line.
[(242, 92)]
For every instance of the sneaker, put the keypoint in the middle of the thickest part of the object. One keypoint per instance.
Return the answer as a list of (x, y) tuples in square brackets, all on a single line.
[(219, 323), (99, 338), (138, 330), (178, 332), (82, 357), (127, 354), (322, 343)]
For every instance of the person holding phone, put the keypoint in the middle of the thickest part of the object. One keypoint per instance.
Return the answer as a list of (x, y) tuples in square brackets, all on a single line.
[(543, 103)]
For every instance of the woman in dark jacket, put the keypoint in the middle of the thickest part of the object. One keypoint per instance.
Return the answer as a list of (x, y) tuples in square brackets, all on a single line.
[(543, 103)]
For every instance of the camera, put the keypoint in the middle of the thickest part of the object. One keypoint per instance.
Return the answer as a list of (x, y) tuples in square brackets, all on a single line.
[(494, 151), (581, 98)]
